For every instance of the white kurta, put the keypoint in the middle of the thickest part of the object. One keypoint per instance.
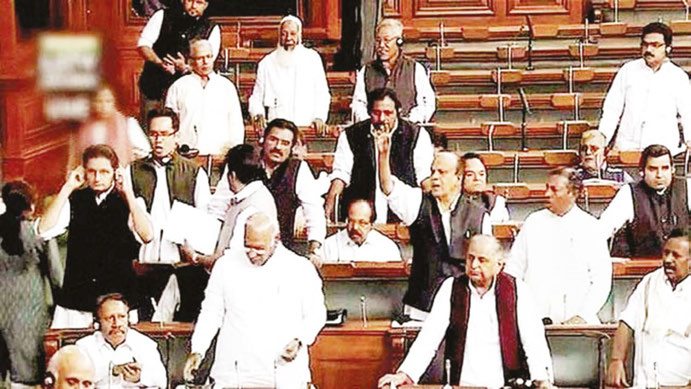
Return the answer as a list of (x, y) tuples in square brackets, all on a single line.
[(425, 101), (299, 93), (423, 155), (136, 348), (259, 310), (210, 116), (482, 363), (377, 247), (661, 319), (644, 105), (566, 263)]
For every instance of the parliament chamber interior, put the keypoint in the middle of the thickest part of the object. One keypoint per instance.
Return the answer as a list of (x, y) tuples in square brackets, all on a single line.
[(515, 81)]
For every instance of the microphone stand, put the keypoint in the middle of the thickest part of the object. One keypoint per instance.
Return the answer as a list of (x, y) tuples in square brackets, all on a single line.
[(530, 43), (525, 111)]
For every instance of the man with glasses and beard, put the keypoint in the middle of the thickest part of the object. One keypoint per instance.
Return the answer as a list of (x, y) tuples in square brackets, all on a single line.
[(646, 97), (291, 83), (593, 165)]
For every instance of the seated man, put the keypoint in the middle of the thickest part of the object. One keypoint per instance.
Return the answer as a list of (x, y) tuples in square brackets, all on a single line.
[(492, 331), (267, 305), (593, 163), (475, 186), (561, 256), (69, 368), (642, 214), (122, 356), (358, 241), (101, 219), (658, 318)]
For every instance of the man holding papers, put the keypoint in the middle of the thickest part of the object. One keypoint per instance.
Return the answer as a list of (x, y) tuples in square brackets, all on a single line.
[(161, 179)]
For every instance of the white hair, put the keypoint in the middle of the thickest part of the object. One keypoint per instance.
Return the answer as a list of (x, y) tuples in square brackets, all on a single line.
[(65, 353), (200, 42), (292, 19), (394, 24)]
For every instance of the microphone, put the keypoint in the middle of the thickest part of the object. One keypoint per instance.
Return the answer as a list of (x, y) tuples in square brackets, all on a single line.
[(524, 101), (529, 22), (184, 149)]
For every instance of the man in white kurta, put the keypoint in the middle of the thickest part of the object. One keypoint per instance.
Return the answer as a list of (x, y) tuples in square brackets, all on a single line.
[(646, 96), (359, 241), (658, 317), (267, 302), (208, 106), (561, 256), (482, 363), (291, 82)]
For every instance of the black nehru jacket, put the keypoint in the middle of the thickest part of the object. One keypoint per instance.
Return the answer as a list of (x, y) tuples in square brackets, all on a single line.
[(363, 175), (282, 187), (100, 250), (178, 29)]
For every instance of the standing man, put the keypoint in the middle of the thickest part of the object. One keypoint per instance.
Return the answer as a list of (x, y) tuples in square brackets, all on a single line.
[(122, 355), (164, 45), (102, 218), (475, 187), (250, 289), (208, 105), (291, 83), (658, 319), (646, 96), (441, 223), (393, 69), (561, 257), (160, 179), (355, 167), (593, 164), (492, 331), (644, 213)]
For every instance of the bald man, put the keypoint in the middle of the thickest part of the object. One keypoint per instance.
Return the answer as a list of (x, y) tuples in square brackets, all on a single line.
[(267, 302), (71, 368), (493, 335)]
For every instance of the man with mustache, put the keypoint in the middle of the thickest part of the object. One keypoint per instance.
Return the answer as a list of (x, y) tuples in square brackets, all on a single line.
[(393, 69), (161, 178), (164, 44), (646, 96), (122, 356), (359, 241), (657, 317), (355, 167), (644, 213), (208, 105), (291, 82), (593, 163)]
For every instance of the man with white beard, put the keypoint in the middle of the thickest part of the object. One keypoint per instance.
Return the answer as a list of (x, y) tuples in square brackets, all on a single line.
[(291, 82)]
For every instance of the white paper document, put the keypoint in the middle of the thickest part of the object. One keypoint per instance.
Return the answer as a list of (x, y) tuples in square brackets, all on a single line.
[(197, 227)]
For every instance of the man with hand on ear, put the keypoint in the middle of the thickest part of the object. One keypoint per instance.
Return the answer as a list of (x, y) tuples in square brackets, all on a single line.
[(646, 97), (122, 356)]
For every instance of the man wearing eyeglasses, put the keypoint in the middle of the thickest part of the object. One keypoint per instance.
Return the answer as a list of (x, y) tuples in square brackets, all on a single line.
[(161, 178), (267, 306), (355, 168), (593, 165), (392, 69), (647, 95)]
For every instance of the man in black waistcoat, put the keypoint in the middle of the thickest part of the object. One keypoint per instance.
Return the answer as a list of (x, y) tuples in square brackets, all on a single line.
[(441, 223), (160, 179), (644, 213), (164, 45), (101, 219), (291, 182), (355, 167), (493, 335)]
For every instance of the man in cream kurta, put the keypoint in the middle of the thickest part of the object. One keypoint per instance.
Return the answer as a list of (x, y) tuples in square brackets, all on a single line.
[(291, 82), (561, 257), (267, 302)]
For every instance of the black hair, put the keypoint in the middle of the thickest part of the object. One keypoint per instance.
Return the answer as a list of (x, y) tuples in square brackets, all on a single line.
[(659, 28), (245, 161), (364, 201), (101, 151), (379, 95), (163, 112), (653, 151), (100, 300), (285, 125), (18, 197)]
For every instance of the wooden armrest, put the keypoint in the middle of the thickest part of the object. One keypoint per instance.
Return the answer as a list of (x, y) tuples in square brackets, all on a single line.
[(492, 101), (561, 157), (545, 30), (580, 74), (517, 190), (589, 50), (446, 52), (517, 52), (491, 158), (499, 129), (508, 76), (574, 126), (600, 190), (630, 157), (475, 33), (440, 77), (507, 230), (613, 28), (566, 100), (681, 26)]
